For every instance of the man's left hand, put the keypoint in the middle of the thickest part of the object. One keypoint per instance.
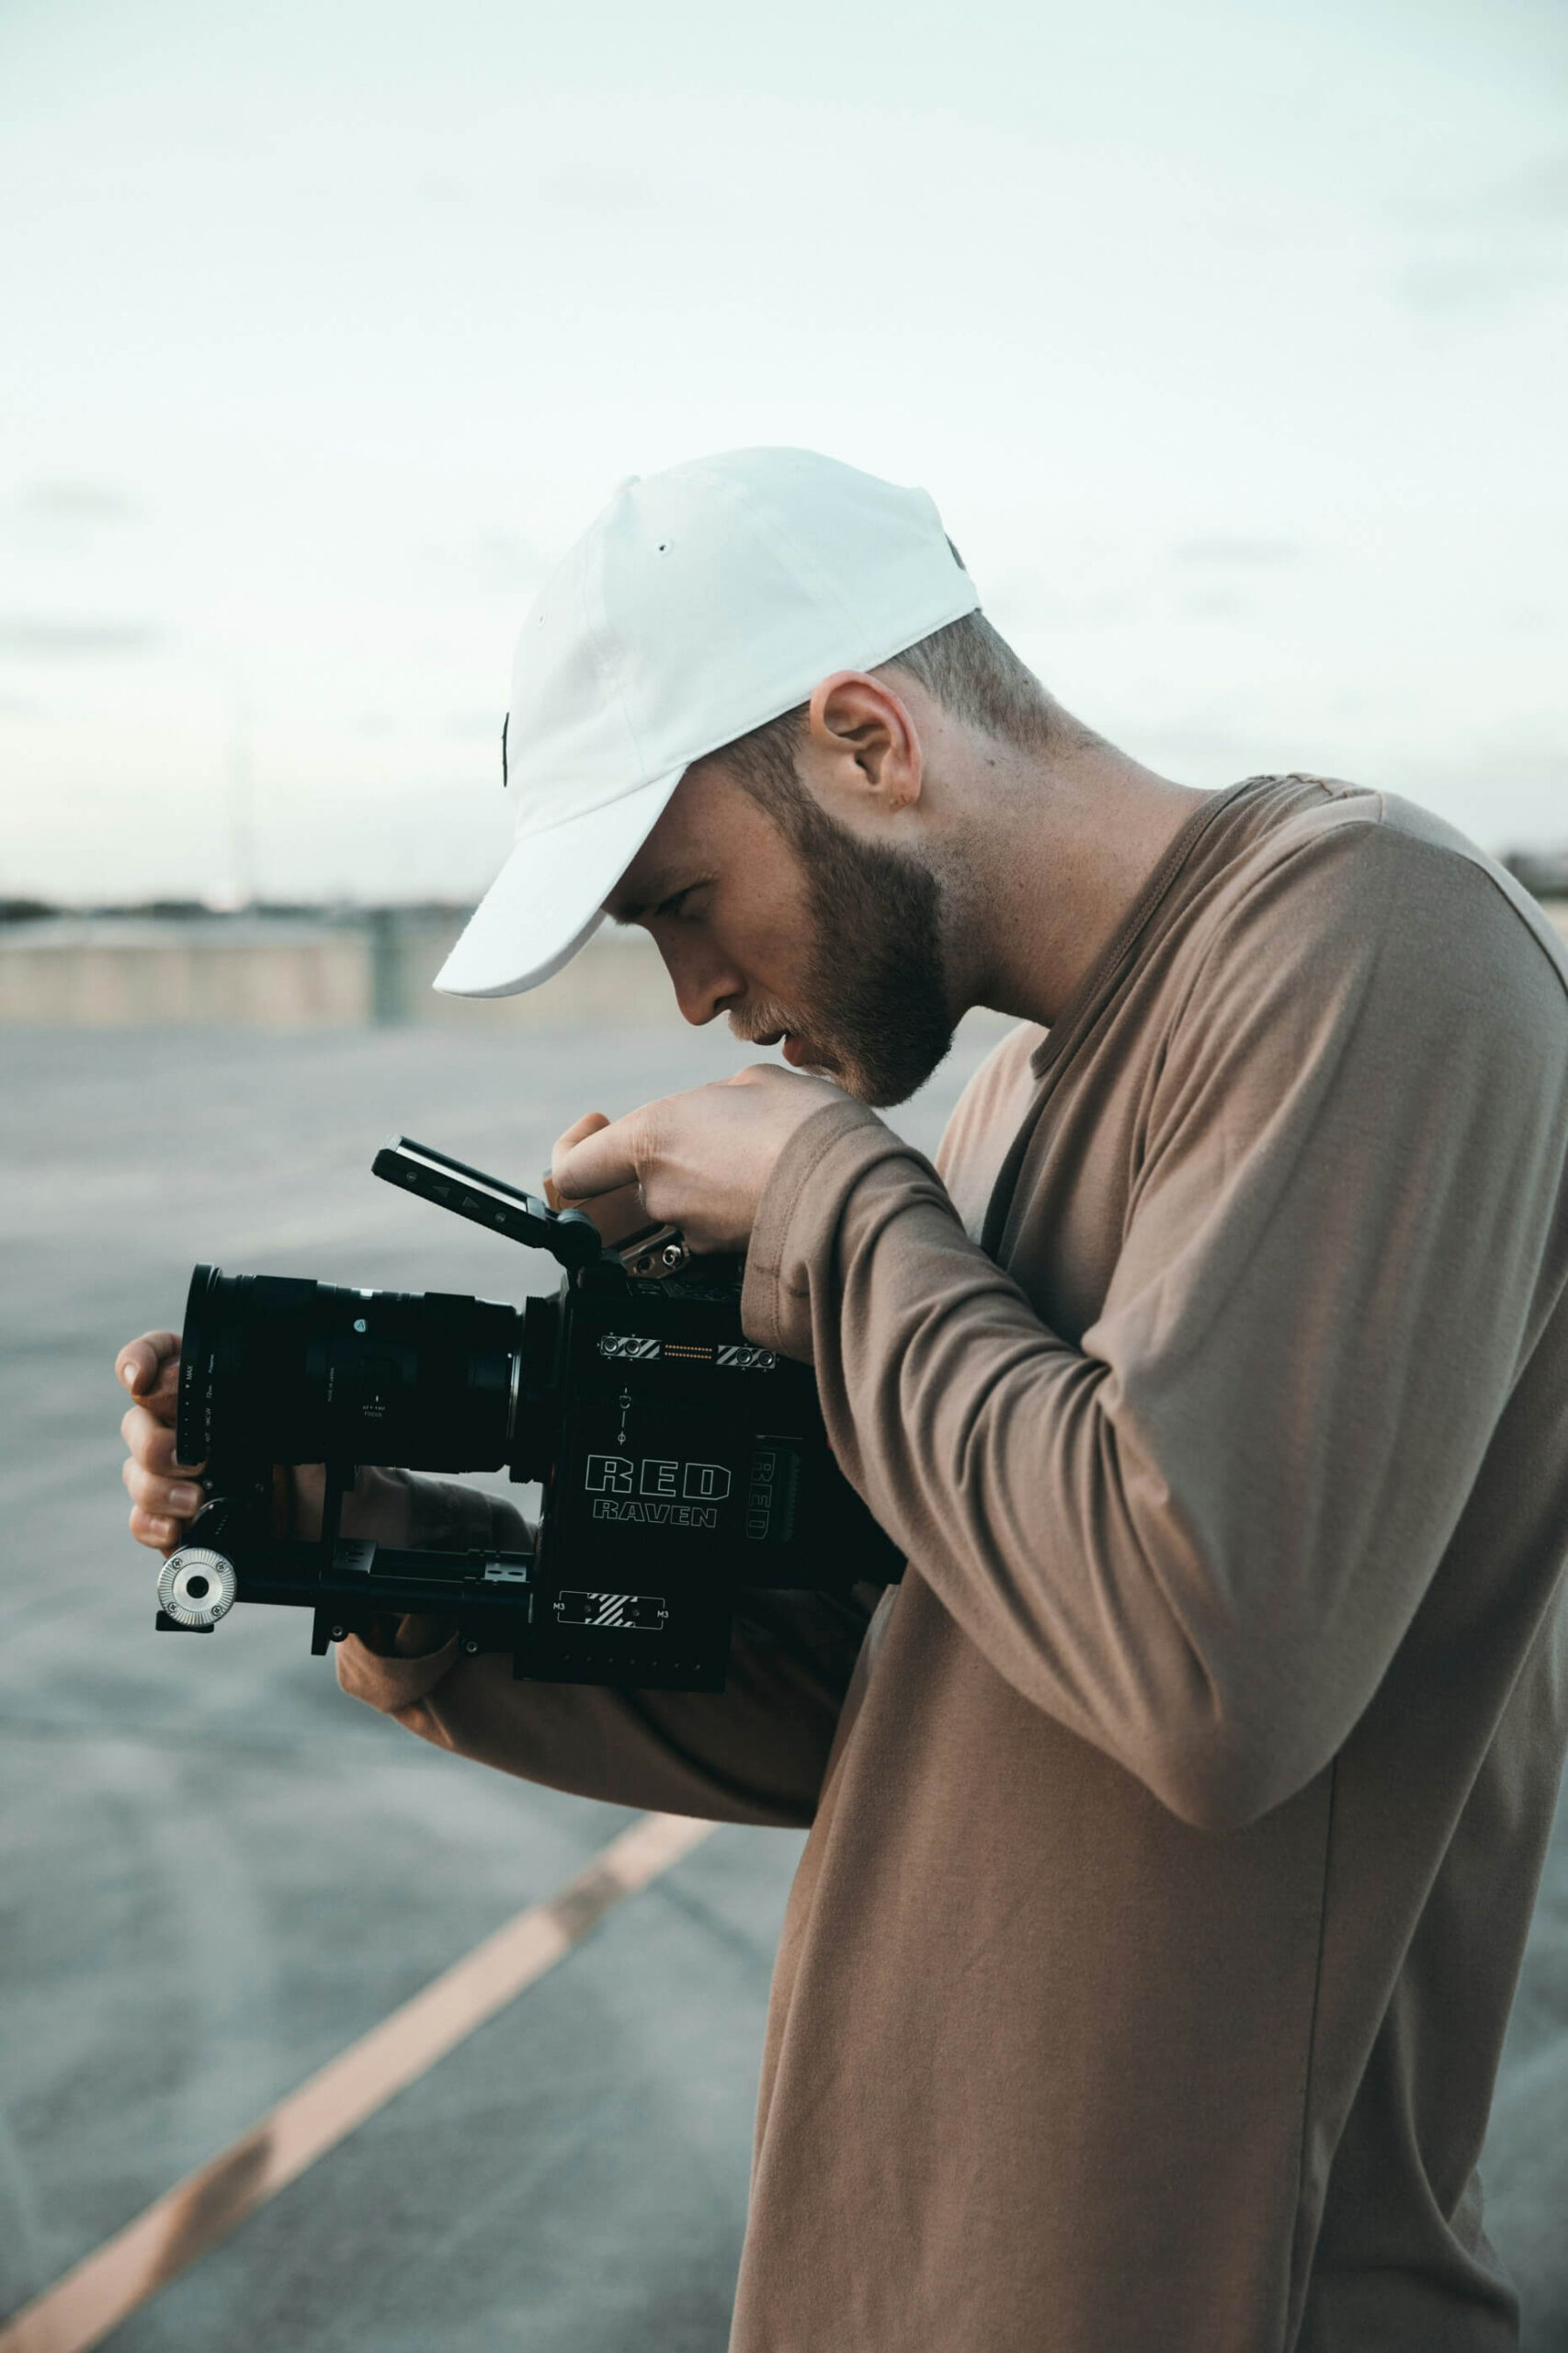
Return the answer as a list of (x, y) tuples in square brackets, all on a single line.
[(702, 1159)]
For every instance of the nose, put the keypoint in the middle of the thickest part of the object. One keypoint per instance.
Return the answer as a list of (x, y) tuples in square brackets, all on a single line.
[(705, 982)]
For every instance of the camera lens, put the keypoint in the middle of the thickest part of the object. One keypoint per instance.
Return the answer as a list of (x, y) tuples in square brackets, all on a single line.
[(309, 1373)]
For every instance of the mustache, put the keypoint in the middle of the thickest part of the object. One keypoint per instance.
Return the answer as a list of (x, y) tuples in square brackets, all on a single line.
[(757, 1024), (765, 1024)]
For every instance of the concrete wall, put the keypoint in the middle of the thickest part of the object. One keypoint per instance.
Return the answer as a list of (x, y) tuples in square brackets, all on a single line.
[(308, 973), (285, 973)]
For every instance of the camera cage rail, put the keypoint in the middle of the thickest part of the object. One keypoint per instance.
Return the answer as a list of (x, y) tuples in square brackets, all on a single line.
[(492, 1598)]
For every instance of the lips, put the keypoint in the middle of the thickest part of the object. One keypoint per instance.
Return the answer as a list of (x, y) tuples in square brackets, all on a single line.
[(796, 1050), (803, 1055)]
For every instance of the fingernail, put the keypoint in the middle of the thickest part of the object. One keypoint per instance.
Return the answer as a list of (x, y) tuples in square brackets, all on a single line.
[(128, 1375), (184, 1500)]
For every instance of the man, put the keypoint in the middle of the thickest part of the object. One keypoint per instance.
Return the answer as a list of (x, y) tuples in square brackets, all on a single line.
[(1174, 1825)]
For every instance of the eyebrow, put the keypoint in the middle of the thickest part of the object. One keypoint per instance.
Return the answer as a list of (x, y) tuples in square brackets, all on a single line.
[(663, 886)]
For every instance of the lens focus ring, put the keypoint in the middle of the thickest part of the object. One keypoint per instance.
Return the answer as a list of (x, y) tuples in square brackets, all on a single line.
[(196, 1586)]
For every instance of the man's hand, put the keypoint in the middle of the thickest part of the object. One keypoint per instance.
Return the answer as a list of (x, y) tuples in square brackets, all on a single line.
[(164, 1494), (701, 1160), (617, 1213)]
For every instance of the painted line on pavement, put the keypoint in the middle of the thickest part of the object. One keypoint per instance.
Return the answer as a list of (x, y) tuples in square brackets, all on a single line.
[(82, 2308)]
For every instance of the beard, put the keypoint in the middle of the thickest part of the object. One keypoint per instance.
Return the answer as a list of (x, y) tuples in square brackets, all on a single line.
[(873, 1013)]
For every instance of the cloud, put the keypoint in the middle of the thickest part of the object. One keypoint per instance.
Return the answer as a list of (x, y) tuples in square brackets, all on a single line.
[(495, 559), (1213, 604), (63, 517), (603, 189), (53, 640), (73, 502), (1473, 281), (1177, 740), (445, 188), (1492, 244), (1236, 552), (1541, 191)]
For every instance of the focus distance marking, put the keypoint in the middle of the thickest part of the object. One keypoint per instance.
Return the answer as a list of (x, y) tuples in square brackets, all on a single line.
[(82, 2309)]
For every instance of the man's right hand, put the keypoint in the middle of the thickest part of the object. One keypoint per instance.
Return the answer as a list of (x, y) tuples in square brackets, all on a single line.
[(616, 1214), (164, 1492)]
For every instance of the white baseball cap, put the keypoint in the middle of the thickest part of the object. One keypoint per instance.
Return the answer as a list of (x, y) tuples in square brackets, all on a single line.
[(701, 603)]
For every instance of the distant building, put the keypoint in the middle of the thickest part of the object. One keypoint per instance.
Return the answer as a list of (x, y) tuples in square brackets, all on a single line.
[(1543, 872)]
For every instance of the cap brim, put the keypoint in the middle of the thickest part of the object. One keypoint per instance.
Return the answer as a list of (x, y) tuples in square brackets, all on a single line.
[(547, 901)]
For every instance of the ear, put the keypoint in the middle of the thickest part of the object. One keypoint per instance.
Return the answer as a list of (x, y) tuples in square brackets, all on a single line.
[(861, 745)]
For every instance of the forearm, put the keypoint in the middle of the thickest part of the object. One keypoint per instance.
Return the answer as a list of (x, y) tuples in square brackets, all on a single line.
[(754, 1753), (993, 1453), (397, 1508), (980, 1440)]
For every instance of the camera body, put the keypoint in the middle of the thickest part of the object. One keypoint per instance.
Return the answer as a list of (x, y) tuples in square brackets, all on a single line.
[(680, 1462)]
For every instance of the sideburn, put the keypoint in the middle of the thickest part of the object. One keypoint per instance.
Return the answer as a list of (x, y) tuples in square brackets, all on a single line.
[(877, 973)]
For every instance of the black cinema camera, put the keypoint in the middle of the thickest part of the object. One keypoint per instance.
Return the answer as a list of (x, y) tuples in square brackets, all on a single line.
[(680, 1463)]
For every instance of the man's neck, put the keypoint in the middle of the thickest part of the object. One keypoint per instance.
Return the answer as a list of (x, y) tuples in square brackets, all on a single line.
[(1056, 856)]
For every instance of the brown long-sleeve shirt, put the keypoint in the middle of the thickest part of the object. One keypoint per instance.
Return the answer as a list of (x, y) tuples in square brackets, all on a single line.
[(1176, 1823)]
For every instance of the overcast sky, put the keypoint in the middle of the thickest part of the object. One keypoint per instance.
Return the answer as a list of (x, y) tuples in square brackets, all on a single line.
[(1230, 339)]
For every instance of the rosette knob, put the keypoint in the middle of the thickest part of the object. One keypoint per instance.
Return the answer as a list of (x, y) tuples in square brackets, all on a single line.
[(196, 1586)]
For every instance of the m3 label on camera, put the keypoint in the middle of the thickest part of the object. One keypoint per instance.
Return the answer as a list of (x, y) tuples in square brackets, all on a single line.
[(642, 1612)]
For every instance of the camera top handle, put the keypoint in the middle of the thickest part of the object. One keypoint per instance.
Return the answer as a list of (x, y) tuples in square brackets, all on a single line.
[(570, 1235)]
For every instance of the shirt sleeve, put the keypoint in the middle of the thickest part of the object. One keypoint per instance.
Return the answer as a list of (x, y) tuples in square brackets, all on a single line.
[(756, 1752), (1197, 1537)]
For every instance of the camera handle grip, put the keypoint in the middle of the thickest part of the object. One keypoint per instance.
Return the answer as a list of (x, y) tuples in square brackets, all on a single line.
[(570, 1235)]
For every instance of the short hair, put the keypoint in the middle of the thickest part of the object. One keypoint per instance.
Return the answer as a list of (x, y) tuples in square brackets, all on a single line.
[(968, 668)]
